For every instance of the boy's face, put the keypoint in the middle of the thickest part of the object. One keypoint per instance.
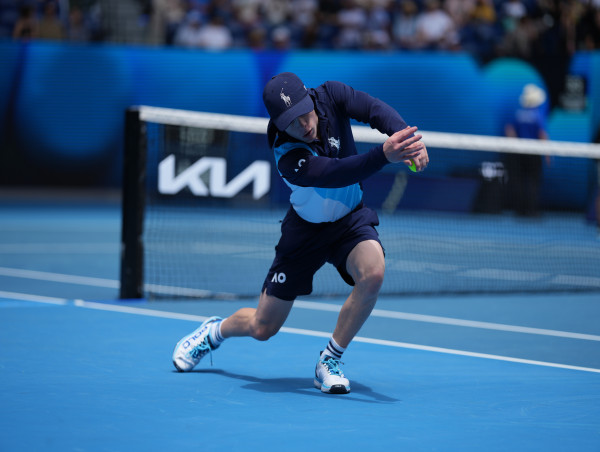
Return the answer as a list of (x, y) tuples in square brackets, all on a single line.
[(304, 128)]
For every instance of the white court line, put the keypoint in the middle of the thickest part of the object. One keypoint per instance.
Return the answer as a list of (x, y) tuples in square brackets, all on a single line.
[(58, 277), (138, 311), (451, 321), (36, 298), (64, 248), (99, 282), (304, 332), (113, 284)]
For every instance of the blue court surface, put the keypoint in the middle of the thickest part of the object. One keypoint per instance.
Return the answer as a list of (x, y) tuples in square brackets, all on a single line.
[(81, 370)]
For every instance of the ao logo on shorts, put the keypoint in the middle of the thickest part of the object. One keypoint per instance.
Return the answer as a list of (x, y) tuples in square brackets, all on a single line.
[(278, 278)]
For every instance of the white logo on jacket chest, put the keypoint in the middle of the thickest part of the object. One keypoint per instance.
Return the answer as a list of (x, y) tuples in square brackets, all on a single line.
[(334, 143)]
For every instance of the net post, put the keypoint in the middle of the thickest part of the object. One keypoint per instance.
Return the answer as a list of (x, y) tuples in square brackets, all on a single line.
[(133, 205)]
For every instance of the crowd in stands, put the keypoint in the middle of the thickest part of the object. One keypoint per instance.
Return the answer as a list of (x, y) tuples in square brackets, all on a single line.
[(485, 28), (52, 20)]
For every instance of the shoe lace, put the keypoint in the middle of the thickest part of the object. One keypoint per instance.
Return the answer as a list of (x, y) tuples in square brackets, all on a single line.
[(333, 366), (202, 349)]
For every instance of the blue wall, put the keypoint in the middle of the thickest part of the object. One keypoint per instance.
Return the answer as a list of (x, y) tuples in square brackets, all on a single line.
[(64, 104)]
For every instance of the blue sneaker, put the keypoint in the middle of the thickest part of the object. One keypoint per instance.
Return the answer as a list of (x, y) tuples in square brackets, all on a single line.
[(329, 377), (193, 347)]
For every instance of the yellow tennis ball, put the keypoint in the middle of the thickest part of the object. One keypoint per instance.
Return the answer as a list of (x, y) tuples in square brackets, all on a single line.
[(412, 166)]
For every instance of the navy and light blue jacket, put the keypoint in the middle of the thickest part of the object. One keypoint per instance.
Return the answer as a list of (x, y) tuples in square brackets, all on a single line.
[(325, 175)]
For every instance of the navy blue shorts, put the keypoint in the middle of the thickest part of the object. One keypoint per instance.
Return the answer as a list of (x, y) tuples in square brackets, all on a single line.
[(305, 247)]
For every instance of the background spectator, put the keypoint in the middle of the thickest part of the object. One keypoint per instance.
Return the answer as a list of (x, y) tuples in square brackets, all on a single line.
[(77, 28), (588, 29), (525, 171), (351, 20), (166, 17), (405, 24), (544, 33), (215, 35), (281, 38), (378, 35), (435, 28), (479, 32), (257, 38), (26, 26), (459, 11), (303, 22), (189, 32), (49, 24), (327, 20), (519, 40), (512, 11)]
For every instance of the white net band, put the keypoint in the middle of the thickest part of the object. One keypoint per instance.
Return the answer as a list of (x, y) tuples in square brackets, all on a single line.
[(365, 134)]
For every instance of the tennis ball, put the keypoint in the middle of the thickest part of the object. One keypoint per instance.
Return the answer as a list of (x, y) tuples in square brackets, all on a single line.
[(412, 166)]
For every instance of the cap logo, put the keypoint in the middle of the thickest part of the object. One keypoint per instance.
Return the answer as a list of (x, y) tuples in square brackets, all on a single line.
[(285, 99)]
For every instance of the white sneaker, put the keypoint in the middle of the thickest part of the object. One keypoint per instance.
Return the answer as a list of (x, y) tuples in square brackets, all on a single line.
[(192, 348), (329, 377)]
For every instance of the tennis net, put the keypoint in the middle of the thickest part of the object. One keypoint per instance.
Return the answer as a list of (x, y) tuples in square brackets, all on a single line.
[(202, 205)]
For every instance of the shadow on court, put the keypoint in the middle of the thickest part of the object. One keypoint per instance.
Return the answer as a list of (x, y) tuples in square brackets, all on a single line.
[(298, 386)]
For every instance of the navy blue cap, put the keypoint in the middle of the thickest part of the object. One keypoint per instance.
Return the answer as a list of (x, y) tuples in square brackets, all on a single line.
[(286, 98)]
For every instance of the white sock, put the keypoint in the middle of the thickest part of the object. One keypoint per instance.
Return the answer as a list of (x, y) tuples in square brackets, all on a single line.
[(214, 334), (333, 349)]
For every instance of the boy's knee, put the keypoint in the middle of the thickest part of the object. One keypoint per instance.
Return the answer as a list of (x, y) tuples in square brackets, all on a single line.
[(372, 280), (263, 332)]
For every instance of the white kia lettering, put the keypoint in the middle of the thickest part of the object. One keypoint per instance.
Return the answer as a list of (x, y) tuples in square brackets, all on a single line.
[(258, 173)]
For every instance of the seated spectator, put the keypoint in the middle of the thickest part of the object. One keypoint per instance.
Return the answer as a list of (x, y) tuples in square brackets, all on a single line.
[(377, 35), (435, 28), (479, 35), (588, 29), (303, 13), (188, 33), (404, 24), (512, 12), (281, 37), (257, 38), (167, 17), (26, 26), (77, 28), (352, 20), (303, 21), (49, 25), (327, 26), (459, 11), (275, 12), (247, 13), (215, 35), (519, 42), (483, 12)]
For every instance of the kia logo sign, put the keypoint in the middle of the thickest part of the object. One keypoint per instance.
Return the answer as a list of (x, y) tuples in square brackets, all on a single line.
[(169, 183)]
